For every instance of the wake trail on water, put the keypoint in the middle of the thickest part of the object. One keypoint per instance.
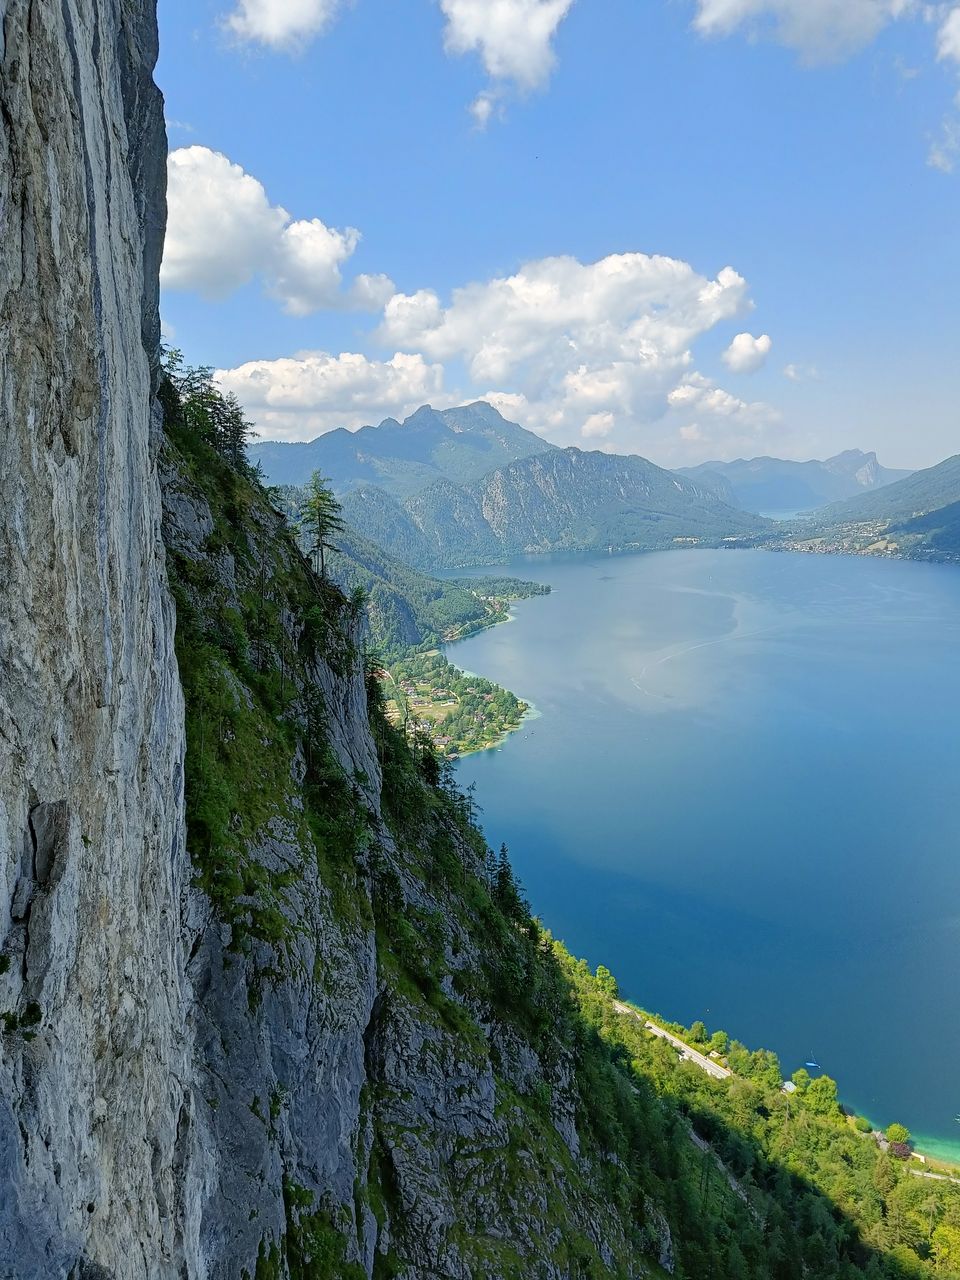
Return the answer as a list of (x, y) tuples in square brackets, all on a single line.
[(692, 648)]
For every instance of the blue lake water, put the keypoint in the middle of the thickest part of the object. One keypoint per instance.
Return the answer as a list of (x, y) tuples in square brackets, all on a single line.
[(742, 794)]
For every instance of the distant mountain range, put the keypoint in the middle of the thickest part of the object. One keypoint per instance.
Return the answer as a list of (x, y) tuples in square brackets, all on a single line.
[(562, 500), (447, 444), (921, 492), (917, 518), (777, 485), (465, 486)]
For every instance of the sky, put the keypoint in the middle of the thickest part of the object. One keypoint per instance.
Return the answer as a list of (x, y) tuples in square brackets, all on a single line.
[(688, 229)]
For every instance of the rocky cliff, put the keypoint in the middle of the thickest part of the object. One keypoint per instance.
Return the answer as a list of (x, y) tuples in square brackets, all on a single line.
[(93, 1059), (249, 1057), (269, 1006)]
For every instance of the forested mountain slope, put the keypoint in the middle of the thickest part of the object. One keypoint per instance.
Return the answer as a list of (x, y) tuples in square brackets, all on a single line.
[(935, 535), (368, 968), (563, 500), (916, 495), (914, 519), (407, 609)]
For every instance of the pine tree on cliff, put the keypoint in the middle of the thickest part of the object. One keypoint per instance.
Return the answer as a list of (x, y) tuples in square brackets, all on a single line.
[(321, 519)]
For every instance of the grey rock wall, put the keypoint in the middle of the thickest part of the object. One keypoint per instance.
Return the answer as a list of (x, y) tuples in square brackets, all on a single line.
[(172, 1105), (93, 1058)]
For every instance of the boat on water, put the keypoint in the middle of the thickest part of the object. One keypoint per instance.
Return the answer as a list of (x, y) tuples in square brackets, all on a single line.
[(813, 1063)]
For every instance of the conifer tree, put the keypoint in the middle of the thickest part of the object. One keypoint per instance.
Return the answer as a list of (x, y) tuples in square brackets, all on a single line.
[(321, 519)]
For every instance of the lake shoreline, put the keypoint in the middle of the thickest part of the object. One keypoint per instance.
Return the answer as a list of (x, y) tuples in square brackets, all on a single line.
[(592, 604)]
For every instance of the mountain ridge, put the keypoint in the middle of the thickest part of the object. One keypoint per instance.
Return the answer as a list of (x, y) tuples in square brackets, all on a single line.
[(917, 494), (767, 483), (567, 499), (459, 444)]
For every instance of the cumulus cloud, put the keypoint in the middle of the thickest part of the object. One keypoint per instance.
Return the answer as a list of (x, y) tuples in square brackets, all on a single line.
[(555, 313), (222, 231), (564, 343), (700, 395), (513, 38), (300, 397), (800, 373), (692, 434), (948, 37), (487, 106), (282, 24), (597, 425), (714, 422), (819, 29), (747, 354), (945, 150)]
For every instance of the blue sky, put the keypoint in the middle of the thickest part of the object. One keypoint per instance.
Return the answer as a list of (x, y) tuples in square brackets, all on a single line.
[(573, 208)]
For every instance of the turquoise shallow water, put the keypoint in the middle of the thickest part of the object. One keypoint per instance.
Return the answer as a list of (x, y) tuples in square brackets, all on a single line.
[(742, 794)]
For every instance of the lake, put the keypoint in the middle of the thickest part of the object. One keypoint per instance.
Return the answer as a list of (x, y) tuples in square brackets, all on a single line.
[(741, 793)]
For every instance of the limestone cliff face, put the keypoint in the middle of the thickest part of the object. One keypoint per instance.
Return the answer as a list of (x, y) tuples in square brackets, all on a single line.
[(284, 1029), (91, 725)]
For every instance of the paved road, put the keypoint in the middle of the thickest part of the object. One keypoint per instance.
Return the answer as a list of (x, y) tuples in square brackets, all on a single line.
[(937, 1177), (689, 1054)]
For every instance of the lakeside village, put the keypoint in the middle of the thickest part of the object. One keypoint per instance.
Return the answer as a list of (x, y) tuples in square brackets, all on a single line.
[(430, 698), (869, 538)]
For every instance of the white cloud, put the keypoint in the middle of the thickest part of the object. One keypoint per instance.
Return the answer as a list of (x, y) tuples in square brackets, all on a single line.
[(597, 425), (699, 395), (747, 354), (300, 397), (482, 109), (719, 425), (562, 343), (693, 434), (222, 231), (558, 315), (945, 150), (948, 37), (819, 29), (487, 106), (800, 373), (281, 24), (513, 37)]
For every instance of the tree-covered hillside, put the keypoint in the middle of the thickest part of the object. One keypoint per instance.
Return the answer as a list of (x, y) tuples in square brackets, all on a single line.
[(936, 534), (508, 1117), (563, 500), (408, 609), (915, 519), (919, 493)]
